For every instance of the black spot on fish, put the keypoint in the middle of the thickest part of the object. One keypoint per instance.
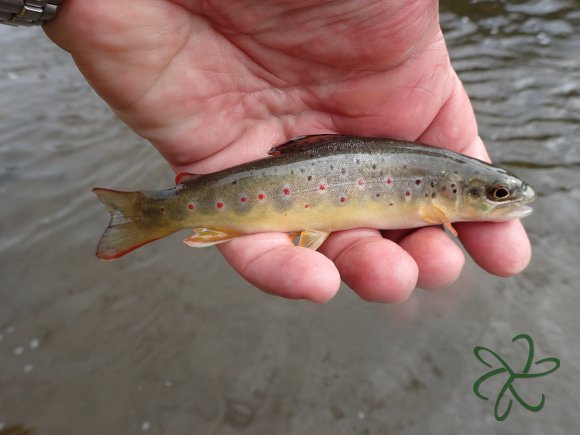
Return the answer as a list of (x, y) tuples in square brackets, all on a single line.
[(404, 166), (292, 172), (454, 190), (235, 182), (474, 191), (310, 178), (331, 167), (357, 161), (343, 171), (453, 186), (374, 166), (432, 184)]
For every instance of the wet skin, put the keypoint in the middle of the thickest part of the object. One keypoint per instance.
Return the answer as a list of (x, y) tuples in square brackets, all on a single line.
[(214, 84)]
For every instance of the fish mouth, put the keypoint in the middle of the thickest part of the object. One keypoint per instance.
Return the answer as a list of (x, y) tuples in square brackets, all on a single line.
[(520, 212), (508, 212), (522, 209)]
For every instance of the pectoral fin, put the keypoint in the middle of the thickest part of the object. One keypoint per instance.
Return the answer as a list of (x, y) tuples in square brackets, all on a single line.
[(434, 215), (451, 229), (312, 239), (203, 237)]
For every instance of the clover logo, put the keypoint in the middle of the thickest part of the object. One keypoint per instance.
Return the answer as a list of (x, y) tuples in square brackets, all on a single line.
[(513, 376)]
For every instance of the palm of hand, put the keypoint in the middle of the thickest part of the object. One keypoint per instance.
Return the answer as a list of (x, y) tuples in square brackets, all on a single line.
[(213, 84)]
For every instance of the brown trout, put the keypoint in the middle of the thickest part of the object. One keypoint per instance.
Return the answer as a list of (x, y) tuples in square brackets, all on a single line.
[(314, 185)]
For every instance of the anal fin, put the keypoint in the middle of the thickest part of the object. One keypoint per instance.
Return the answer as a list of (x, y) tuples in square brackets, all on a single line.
[(292, 236), (203, 237), (312, 239)]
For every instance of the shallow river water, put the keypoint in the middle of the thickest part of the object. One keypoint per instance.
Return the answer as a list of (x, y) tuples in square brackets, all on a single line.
[(171, 341)]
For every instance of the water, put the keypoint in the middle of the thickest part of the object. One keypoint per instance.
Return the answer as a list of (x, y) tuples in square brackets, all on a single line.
[(171, 341)]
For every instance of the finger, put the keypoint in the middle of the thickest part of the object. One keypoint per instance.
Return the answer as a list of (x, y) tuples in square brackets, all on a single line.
[(376, 268), (270, 262), (501, 248), (397, 235), (454, 127), (439, 259)]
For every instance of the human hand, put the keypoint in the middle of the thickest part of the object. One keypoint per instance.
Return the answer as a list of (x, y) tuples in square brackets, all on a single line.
[(216, 83)]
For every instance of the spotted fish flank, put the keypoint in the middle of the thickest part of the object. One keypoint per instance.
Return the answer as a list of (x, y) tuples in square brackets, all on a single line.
[(315, 185)]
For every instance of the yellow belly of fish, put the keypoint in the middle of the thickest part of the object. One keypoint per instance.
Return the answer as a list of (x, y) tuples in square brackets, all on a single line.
[(320, 219)]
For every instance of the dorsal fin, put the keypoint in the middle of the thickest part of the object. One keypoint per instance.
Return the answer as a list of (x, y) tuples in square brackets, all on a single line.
[(303, 143), (184, 177)]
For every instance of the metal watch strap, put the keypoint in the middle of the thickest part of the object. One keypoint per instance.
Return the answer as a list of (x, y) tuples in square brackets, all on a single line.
[(27, 12)]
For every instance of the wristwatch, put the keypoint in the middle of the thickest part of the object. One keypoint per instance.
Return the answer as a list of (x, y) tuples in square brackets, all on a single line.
[(27, 12)]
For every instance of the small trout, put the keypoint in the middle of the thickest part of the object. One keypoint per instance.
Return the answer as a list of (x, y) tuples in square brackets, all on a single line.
[(314, 185)]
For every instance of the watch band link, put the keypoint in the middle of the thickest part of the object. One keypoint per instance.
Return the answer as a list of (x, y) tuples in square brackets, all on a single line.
[(27, 12)]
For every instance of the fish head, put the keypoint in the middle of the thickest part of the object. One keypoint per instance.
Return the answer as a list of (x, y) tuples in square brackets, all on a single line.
[(487, 193)]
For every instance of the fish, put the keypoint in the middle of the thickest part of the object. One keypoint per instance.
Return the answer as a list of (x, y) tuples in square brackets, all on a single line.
[(314, 185)]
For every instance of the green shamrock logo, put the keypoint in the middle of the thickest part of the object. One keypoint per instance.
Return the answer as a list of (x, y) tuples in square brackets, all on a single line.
[(509, 384)]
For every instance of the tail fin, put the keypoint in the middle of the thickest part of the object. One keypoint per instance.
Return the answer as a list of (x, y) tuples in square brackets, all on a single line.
[(126, 230)]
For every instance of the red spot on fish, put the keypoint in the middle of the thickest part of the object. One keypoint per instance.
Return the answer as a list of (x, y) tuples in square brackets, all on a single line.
[(322, 187), (163, 210), (306, 206), (389, 181), (261, 196), (220, 205), (244, 199), (343, 199), (407, 193), (417, 182), (361, 181), (391, 204), (286, 191), (190, 206), (378, 195)]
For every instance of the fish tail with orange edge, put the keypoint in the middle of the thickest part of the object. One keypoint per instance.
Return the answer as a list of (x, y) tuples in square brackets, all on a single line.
[(129, 228)]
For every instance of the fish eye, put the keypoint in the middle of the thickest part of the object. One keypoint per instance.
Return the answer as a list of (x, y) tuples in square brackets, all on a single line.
[(499, 193)]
